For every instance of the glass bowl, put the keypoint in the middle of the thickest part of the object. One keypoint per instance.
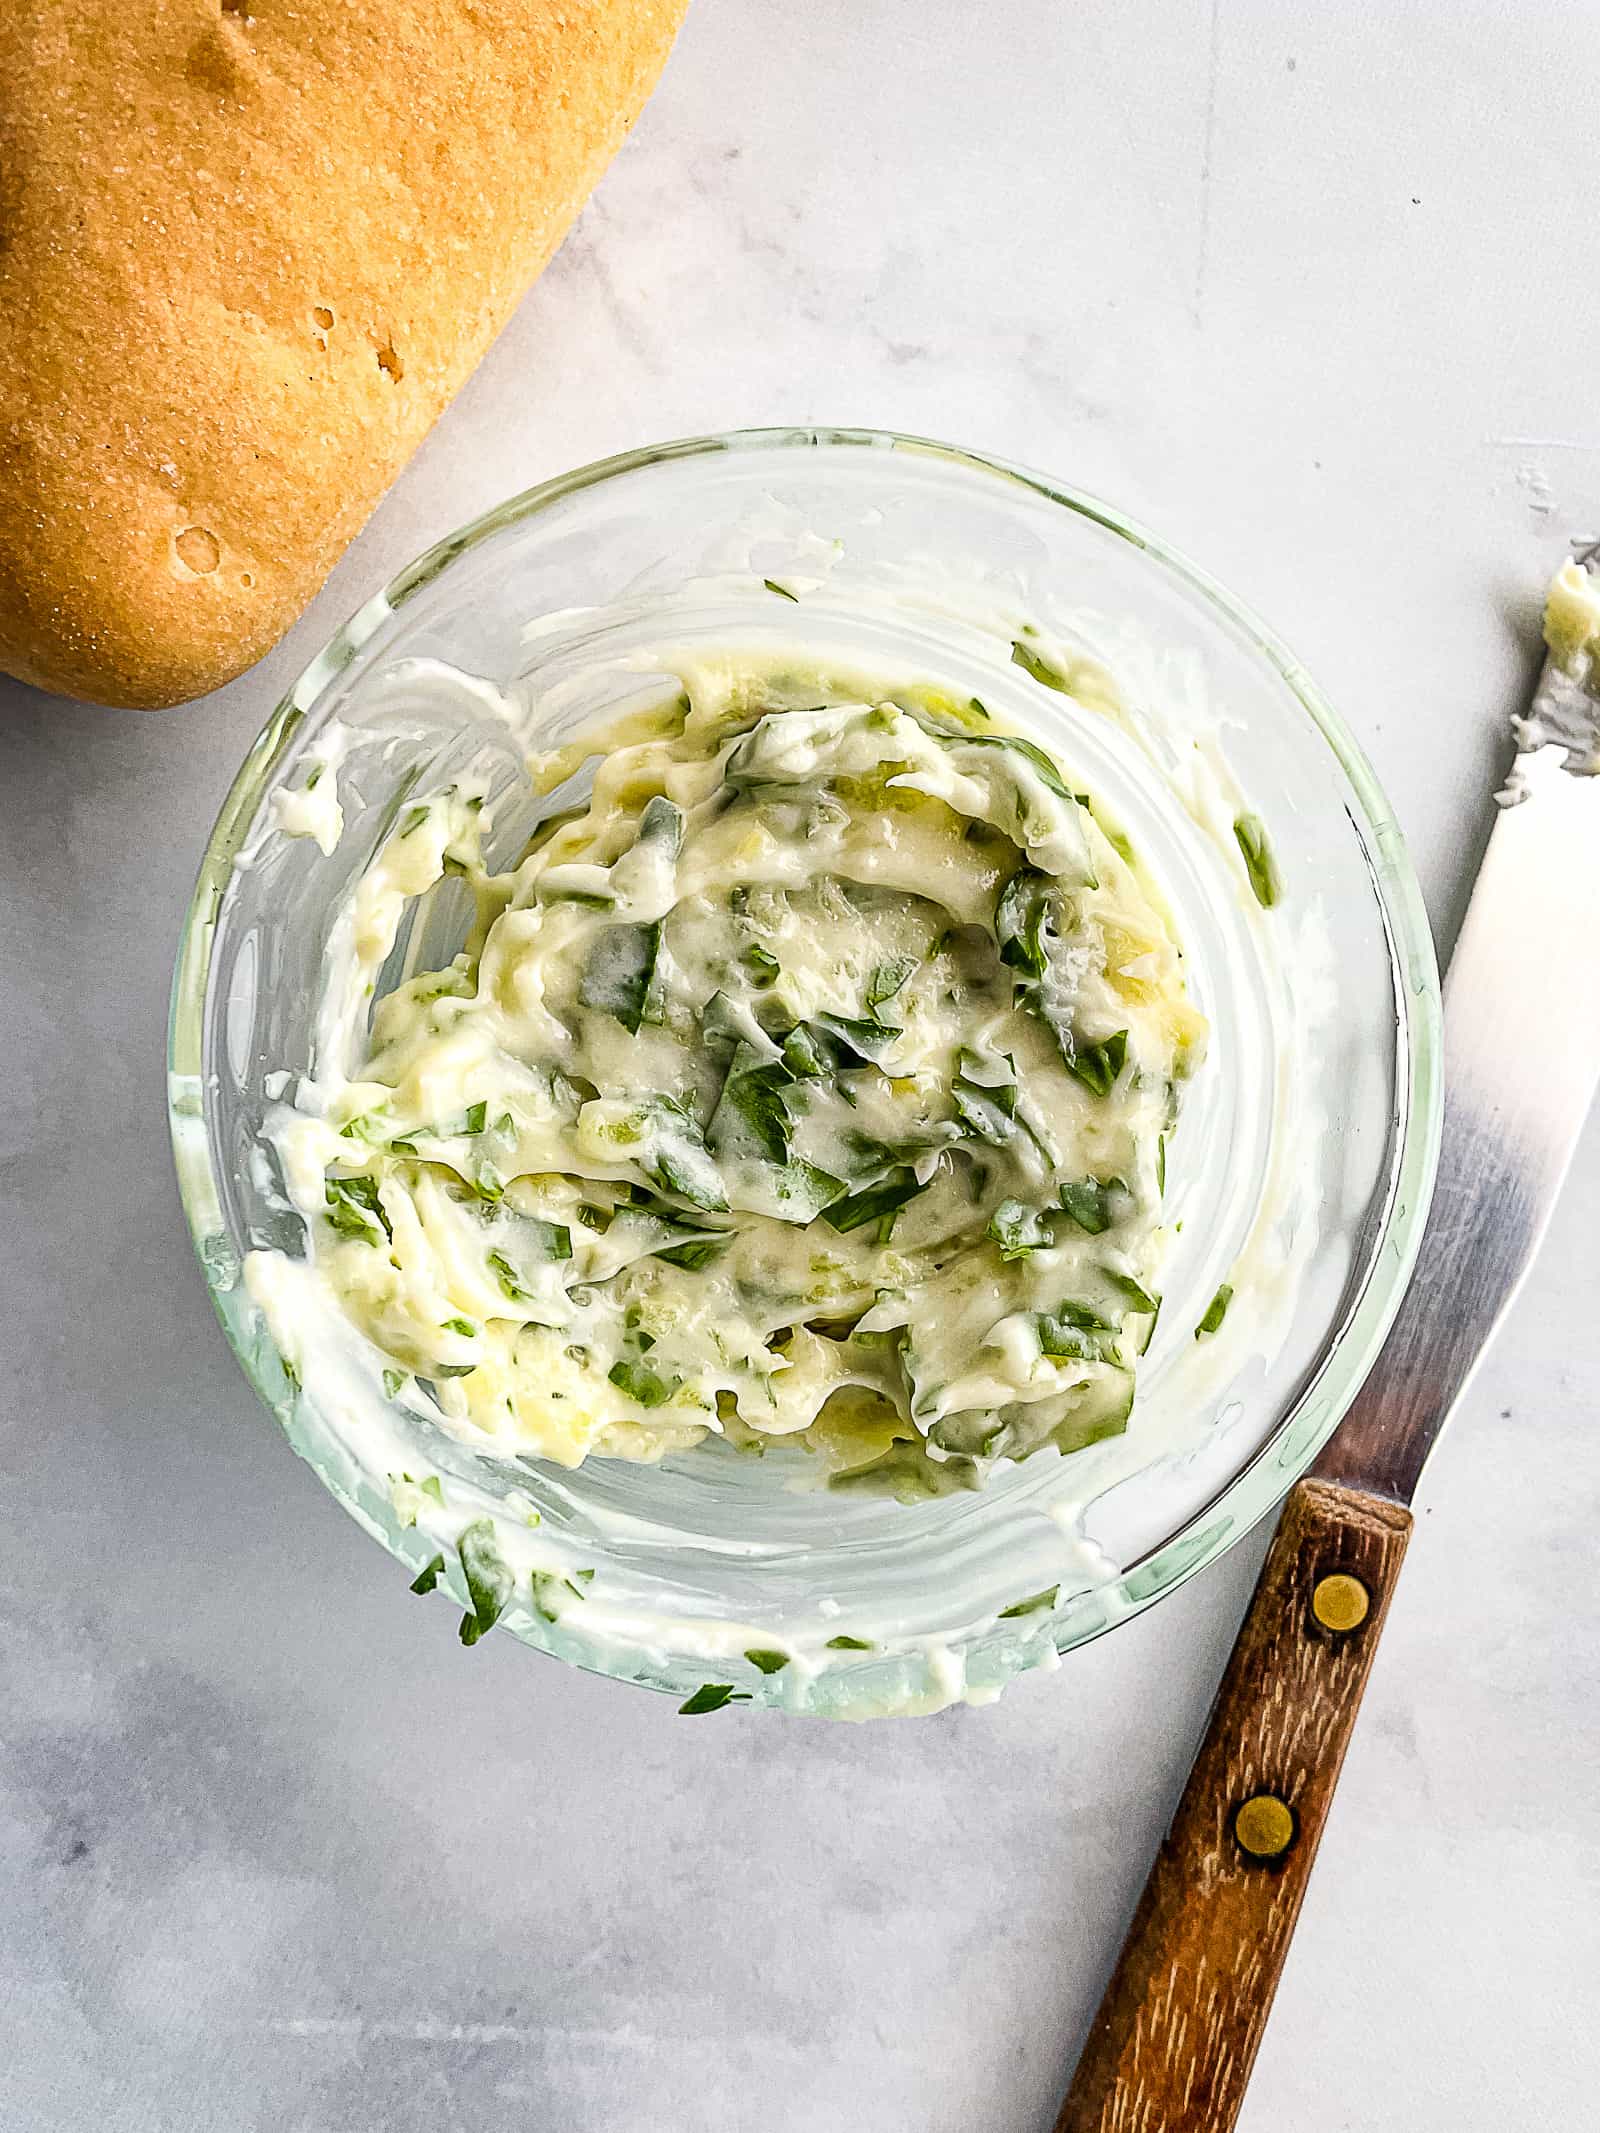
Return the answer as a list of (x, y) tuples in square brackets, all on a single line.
[(1306, 1147)]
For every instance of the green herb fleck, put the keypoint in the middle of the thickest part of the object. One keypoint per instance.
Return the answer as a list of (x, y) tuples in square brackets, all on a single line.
[(1216, 1311), (1022, 917), (585, 899), (783, 593), (1028, 659), (488, 1579), (428, 1576), (1260, 861), (662, 823), (1098, 1065), (884, 1198), (753, 1096), (392, 1382), (1014, 744), (1088, 1203), (1137, 1295), (989, 1113), (802, 1191), (680, 1162), (848, 1644), (888, 979), (803, 1055), (621, 973), (1018, 1229), (510, 1287), (697, 1252), (1034, 1604), (550, 1240), (477, 1117), (463, 1326), (860, 1043), (762, 963), (641, 1383), (712, 1695), (354, 1209), (1075, 1332), (769, 1662)]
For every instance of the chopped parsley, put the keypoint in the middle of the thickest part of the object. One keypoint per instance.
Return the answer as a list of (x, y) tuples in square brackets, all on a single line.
[(354, 1209), (641, 1383), (1098, 1066), (1076, 1332), (1088, 1202), (695, 1253), (681, 1163), (1140, 1297), (506, 1273), (1018, 1229), (888, 979), (711, 1696), (620, 978), (1023, 918), (1216, 1311), (1033, 663), (1260, 861), (885, 1198), (488, 1579)]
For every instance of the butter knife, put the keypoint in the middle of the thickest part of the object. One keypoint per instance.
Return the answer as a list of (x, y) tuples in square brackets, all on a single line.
[(1176, 2035)]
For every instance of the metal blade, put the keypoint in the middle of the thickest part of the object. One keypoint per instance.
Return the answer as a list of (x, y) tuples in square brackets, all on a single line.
[(1522, 1057)]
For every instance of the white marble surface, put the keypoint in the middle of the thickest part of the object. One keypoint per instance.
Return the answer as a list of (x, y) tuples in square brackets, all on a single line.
[(1311, 288)]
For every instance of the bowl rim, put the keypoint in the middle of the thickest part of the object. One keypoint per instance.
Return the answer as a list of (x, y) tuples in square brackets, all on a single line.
[(1323, 1397)]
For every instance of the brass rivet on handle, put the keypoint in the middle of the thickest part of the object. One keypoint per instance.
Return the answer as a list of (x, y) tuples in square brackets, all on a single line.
[(1340, 1602), (1264, 1826)]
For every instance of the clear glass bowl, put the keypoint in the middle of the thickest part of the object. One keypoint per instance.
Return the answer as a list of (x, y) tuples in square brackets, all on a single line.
[(710, 1553)]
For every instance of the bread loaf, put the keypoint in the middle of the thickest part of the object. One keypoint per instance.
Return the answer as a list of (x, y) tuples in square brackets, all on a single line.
[(248, 251)]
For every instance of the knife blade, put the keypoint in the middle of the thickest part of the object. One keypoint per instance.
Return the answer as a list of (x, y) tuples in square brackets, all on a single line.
[(1521, 1064), (1173, 2043)]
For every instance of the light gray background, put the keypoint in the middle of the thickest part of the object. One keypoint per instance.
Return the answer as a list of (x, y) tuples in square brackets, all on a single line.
[(1312, 288)]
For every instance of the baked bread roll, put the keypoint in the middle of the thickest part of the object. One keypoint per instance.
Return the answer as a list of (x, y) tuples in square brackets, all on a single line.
[(248, 251)]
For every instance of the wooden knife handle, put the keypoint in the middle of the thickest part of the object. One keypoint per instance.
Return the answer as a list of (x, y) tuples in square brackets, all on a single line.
[(1176, 2034)]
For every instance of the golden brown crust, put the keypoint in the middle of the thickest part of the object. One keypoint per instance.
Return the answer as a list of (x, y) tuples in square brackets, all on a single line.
[(246, 257)]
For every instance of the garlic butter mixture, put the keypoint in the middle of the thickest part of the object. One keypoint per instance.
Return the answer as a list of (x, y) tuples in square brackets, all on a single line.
[(811, 1080)]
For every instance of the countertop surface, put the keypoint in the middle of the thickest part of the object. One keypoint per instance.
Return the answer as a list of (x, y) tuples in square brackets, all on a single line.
[(1310, 289)]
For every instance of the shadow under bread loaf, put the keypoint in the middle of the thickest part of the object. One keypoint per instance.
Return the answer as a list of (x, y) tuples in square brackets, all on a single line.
[(248, 253)]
